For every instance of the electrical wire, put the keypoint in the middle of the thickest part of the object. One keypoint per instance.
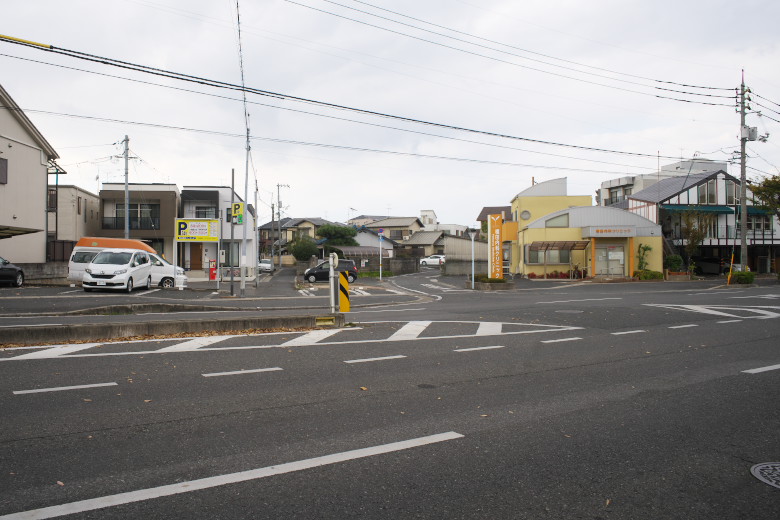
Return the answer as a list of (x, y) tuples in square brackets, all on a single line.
[(230, 86), (518, 65), (765, 99)]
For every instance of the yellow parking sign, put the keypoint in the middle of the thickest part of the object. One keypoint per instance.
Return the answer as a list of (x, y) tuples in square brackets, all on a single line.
[(238, 212)]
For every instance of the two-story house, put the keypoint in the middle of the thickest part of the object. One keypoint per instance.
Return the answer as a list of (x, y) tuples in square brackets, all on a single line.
[(397, 228), (73, 213)]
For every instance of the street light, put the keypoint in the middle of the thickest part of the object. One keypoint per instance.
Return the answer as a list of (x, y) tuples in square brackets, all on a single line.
[(472, 235)]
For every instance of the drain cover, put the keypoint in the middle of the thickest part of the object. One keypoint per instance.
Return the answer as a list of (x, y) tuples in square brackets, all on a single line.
[(768, 473)]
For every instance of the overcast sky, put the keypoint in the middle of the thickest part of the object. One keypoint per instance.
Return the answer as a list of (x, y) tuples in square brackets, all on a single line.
[(569, 72)]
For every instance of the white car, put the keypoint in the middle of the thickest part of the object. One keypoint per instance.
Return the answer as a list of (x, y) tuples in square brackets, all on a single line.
[(433, 260), (121, 269), (266, 265), (163, 273)]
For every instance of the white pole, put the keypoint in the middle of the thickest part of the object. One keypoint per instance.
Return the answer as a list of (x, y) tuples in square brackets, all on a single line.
[(473, 234), (380, 257)]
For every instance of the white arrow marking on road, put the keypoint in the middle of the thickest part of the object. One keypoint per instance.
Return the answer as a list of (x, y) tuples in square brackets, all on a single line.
[(221, 480), (409, 331), (310, 338)]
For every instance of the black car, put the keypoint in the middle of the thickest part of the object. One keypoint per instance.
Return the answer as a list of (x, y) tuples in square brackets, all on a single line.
[(321, 271), (10, 273)]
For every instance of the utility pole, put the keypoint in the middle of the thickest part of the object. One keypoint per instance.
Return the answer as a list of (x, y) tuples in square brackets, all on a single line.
[(279, 216), (271, 233), (743, 137), (127, 190), (232, 222)]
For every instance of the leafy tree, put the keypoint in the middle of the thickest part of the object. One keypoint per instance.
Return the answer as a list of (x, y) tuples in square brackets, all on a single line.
[(767, 194), (338, 235), (303, 249), (641, 255), (695, 226)]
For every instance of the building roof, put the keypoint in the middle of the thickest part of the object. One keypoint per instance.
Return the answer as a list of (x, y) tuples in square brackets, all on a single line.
[(665, 189), (295, 222), (395, 222), (16, 112), (267, 225), (495, 210), (424, 238), (551, 188)]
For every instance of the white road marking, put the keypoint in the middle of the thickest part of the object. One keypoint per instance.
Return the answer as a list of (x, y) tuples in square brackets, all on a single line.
[(585, 300), (388, 310), (684, 326), (304, 292), (221, 480), (150, 291), (56, 351), (61, 389), (762, 311), (489, 328), (367, 360), (193, 344), (762, 369), (409, 331), (560, 340), (359, 292), (627, 332), (729, 321), (311, 338), (236, 372), (472, 349)]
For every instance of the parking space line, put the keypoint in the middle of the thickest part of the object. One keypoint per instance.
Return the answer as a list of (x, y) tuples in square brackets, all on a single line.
[(762, 369), (560, 340), (627, 332), (61, 388), (367, 360), (472, 349), (231, 478), (236, 372)]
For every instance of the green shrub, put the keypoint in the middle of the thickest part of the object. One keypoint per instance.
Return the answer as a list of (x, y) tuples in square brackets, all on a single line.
[(743, 277), (647, 274), (375, 274), (673, 263)]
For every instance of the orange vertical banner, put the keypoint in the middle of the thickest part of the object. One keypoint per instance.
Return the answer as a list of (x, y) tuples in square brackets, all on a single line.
[(495, 246)]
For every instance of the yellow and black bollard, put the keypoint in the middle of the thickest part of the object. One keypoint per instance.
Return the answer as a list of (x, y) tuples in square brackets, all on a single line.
[(343, 292)]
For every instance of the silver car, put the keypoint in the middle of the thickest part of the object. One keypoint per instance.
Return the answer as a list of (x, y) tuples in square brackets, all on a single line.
[(266, 265)]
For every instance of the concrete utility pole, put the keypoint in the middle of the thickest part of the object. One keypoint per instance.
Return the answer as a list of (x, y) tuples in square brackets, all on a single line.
[(127, 190), (743, 137), (279, 217), (232, 222)]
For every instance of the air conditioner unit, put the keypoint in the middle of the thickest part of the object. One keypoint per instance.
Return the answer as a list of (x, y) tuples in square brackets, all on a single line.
[(406, 237)]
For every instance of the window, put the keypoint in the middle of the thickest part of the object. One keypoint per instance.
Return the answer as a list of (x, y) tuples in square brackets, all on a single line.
[(3, 171), (78, 206), (85, 209), (52, 200), (708, 194), (205, 212), (731, 190), (561, 221), (554, 256)]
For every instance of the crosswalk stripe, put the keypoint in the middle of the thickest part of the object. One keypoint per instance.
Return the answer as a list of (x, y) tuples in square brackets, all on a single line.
[(409, 331), (310, 338)]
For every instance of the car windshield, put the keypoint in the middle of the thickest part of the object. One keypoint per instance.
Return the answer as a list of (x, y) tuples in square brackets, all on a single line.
[(265, 261), (112, 258), (83, 257)]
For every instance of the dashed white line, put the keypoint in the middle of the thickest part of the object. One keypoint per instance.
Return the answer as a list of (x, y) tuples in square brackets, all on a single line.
[(628, 332), (472, 349), (237, 372), (762, 369), (367, 360), (585, 300), (61, 388), (729, 321), (560, 340), (684, 326), (231, 478)]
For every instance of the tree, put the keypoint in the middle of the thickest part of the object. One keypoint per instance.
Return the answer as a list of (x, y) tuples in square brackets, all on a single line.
[(338, 235), (767, 194), (641, 255), (695, 228), (303, 249)]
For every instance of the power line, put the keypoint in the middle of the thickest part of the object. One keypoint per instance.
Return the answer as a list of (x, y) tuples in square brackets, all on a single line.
[(525, 50), (518, 65), (231, 86)]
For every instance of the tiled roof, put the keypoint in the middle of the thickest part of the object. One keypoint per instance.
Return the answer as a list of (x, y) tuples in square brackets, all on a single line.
[(394, 222), (495, 210), (424, 238)]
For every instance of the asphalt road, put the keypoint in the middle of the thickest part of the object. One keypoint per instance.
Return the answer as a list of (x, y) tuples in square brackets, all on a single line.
[(550, 401)]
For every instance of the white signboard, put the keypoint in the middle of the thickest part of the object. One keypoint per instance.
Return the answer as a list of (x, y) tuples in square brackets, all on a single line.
[(197, 230)]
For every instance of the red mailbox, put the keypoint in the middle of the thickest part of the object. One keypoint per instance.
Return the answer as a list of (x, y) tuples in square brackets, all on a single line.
[(212, 270)]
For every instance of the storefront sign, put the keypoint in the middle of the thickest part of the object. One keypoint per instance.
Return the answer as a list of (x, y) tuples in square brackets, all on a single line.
[(495, 242), (197, 230), (608, 231)]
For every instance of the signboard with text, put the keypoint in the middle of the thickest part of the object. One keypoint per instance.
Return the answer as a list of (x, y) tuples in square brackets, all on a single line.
[(197, 230), (495, 247), (238, 212)]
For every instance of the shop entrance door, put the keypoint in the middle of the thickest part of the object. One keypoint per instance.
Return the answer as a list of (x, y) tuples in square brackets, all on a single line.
[(610, 261), (196, 256)]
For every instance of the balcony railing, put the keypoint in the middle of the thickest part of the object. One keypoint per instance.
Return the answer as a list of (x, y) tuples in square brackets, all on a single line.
[(135, 222), (729, 233)]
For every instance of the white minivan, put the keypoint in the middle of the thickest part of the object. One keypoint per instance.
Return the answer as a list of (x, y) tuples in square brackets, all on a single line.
[(121, 269), (87, 247), (163, 273)]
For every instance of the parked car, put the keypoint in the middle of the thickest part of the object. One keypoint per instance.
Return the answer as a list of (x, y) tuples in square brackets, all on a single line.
[(163, 273), (713, 265), (11, 273), (321, 271), (266, 265), (433, 260), (87, 247), (121, 269)]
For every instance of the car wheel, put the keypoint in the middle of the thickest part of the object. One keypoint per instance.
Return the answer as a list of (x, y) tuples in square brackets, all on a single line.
[(167, 283), (129, 285), (312, 278), (351, 278), (423, 263), (19, 279), (148, 283)]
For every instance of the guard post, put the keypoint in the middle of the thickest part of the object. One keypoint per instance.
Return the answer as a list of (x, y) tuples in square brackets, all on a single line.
[(343, 292)]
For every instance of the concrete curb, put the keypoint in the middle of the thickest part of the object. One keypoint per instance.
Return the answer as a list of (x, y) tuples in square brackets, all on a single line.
[(115, 331)]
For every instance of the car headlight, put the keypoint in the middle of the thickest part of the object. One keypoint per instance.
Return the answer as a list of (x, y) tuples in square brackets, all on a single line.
[(179, 270), (120, 271), (88, 270)]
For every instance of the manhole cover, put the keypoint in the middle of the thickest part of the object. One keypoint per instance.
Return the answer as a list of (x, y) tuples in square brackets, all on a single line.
[(768, 473)]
